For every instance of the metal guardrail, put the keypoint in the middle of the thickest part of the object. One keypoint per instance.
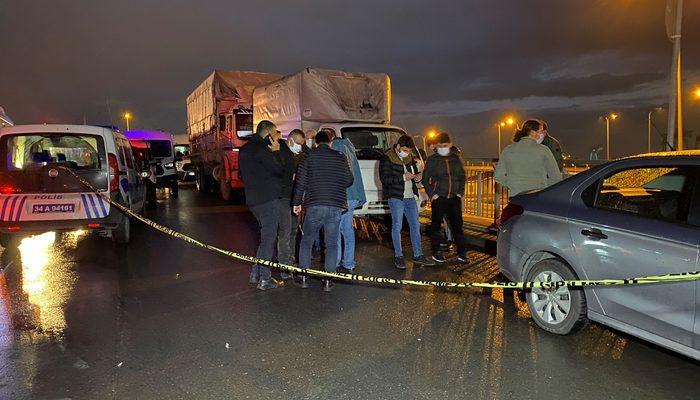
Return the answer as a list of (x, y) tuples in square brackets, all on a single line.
[(484, 199)]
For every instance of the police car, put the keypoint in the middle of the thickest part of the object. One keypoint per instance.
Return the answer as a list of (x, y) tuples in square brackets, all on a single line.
[(37, 193)]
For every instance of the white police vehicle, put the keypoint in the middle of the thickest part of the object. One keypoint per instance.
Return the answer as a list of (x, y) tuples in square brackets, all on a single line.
[(163, 156), (38, 195)]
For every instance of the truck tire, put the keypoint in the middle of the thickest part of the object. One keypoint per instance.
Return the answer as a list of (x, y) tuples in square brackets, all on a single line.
[(122, 234), (201, 181)]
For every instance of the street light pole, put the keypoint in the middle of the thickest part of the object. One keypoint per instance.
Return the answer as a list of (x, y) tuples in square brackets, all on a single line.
[(649, 132), (674, 105), (607, 138), (499, 139)]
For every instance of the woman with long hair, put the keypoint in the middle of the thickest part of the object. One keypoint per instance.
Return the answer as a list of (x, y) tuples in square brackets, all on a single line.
[(526, 164)]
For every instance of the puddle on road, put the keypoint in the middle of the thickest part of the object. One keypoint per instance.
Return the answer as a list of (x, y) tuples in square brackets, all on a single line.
[(36, 283)]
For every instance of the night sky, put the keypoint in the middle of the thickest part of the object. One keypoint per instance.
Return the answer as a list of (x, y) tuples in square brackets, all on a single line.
[(456, 65)]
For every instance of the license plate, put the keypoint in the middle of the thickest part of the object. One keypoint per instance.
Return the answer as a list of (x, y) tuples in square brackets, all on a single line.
[(53, 208)]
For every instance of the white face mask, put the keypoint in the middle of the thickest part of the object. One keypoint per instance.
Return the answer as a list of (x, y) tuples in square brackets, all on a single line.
[(402, 154), (443, 151), (309, 143), (294, 147), (540, 138)]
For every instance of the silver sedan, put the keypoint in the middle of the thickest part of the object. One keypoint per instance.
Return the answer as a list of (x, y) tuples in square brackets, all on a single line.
[(633, 217)]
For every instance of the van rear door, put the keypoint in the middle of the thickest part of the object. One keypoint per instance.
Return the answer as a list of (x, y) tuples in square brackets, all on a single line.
[(33, 186)]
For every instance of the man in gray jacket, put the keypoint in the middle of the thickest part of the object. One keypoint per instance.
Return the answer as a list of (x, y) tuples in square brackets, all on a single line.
[(554, 146)]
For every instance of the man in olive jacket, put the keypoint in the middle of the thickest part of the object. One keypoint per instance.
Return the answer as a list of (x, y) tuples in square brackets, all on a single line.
[(444, 180)]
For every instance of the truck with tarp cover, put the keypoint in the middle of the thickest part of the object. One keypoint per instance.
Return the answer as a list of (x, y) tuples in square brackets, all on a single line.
[(351, 105), (219, 118)]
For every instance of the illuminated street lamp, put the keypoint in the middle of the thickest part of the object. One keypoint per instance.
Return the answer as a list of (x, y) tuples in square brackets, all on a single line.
[(649, 127), (508, 121), (696, 93), (127, 117), (613, 117)]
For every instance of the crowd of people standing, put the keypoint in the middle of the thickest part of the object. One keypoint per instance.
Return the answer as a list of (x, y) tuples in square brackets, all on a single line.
[(310, 182)]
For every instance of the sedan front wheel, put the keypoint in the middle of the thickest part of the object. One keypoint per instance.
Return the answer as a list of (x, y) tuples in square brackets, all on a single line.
[(559, 310)]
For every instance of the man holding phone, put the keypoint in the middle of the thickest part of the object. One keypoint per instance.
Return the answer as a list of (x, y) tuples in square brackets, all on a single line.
[(263, 173)]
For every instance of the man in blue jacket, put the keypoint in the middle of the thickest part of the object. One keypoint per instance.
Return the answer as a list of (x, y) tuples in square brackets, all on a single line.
[(356, 199)]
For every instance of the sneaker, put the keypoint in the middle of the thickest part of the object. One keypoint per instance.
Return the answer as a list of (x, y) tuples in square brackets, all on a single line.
[(303, 282), (399, 263), (285, 276), (344, 270), (328, 285), (438, 258), (462, 258), (422, 261), (254, 279), (267, 284)]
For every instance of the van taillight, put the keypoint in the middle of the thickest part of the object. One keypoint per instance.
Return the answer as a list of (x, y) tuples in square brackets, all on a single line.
[(510, 211), (9, 189), (113, 173)]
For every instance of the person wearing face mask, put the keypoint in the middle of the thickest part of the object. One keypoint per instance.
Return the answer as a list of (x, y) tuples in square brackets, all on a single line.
[(290, 155), (444, 180), (527, 164), (399, 173), (309, 139), (554, 146), (262, 172), (356, 199)]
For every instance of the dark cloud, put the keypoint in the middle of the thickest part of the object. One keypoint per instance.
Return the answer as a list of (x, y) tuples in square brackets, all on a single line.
[(456, 63)]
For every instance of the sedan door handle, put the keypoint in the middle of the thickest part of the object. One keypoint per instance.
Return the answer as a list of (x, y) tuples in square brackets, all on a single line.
[(594, 234)]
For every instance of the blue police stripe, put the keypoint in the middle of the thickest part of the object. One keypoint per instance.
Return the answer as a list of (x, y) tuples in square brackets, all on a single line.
[(85, 205), (12, 207), (94, 206), (20, 208), (102, 205), (4, 208)]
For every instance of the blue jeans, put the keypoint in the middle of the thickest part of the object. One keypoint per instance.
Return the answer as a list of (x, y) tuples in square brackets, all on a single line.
[(409, 208), (318, 217), (347, 236)]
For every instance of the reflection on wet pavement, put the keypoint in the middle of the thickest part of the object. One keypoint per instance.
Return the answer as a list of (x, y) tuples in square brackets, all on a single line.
[(38, 281)]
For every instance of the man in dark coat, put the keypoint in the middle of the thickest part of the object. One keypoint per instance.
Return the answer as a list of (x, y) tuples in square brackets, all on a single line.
[(444, 180), (262, 174), (320, 185), (399, 172)]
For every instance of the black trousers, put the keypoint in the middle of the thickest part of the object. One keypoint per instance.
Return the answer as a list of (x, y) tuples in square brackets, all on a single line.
[(451, 210)]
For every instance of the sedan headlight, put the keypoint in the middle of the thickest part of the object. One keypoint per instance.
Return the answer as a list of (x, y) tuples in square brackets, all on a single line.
[(168, 165)]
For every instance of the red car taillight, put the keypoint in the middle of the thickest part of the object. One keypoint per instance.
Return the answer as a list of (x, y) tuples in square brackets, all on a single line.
[(509, 212), (9, 189), (113, 173)]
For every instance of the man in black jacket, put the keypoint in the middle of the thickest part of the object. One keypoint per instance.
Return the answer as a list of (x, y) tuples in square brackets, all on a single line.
[(320, 185), (399, 173), (444, 180), (262, 174)]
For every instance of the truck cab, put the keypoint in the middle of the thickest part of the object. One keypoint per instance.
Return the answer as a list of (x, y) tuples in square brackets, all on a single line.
[(370, 141)]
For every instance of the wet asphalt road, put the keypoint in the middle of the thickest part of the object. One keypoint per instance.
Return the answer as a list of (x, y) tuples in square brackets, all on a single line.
[(82, 319)]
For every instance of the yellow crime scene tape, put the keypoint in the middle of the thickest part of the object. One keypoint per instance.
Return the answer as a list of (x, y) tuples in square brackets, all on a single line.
[(678, 277)]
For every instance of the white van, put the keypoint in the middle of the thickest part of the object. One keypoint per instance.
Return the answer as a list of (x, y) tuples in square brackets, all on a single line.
[(37, 195), (163, 155)]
